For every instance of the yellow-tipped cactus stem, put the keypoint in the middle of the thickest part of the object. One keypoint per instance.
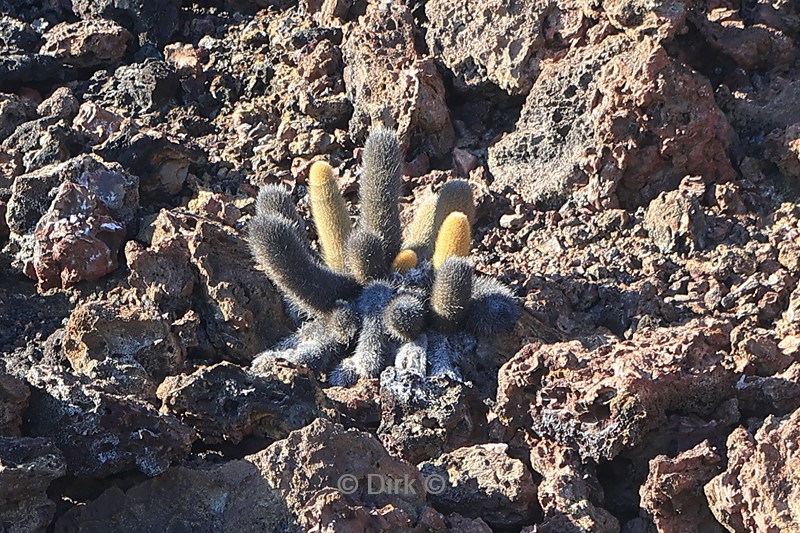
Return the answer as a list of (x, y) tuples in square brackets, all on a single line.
[(405, 261), (422, 231), (329, 213), (454, 238)]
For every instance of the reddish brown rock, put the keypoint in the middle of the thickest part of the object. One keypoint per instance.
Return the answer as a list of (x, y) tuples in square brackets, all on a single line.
[(613, 124), (226, 403), (87, 43), (241, 312), (606, 399), (759, 491), (78, 239), (101, 433), (390, 84), (227, 497), (123, 341), (676, 222), (750, 45), (13, 402), (96, 123), (482, 481), (358, 405), (569, 493), (27, 466), (307, 469), (672, 495)]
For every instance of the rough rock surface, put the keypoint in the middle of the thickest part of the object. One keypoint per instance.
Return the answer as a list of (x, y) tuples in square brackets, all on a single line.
[(229, 497), (482, 481), (602, 125), (77, 239), (491, 41), (422, 417), (195, 263), (415, 106), (27, 466), (604, 400), (306, 468), (13, 402), (153, 21), (123, 343), (672, 495), (101, 433), (87, 43), (758, 491), (226, 403)]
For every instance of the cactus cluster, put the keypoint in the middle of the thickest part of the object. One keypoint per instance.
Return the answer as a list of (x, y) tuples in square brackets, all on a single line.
[(375, 297)]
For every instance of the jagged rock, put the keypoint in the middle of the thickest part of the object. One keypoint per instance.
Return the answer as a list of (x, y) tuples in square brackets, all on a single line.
[(27, 466), (241, 312), (772, 106), (139, 88), (758, 491), (13, 112), (226, 403), (161, 163), (123, 343), (96, 123), (606, 399), (36, 144), (752, 46), (339, 480), (613, 124), (86, 43), (676, 222), (488, 42), (154, 21), (359, 405), (13, 402), (482, 481), (672, 494), (662, 19), (389, 83), (782, 147), (16, 35), (570, 493), (228, 497), (26, 68), (77, 239), (777, 394), (31, 193), (61, 103), (101, 433), (422, 417)]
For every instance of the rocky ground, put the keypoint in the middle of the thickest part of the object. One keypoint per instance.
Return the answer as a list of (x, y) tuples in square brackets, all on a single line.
[(636, 167)]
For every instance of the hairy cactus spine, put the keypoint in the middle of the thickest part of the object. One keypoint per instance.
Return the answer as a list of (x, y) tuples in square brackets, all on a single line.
[(454, 239), (422, 230), (405, 316), (493, 307), (381, 182), (450, 296), (274, 200), (329, 213), (288, 263), (364, 257)]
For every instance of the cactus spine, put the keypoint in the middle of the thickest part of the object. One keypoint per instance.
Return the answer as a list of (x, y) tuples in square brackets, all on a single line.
[(381, 182), (364, 257), (274, 200), (454, 239), (422, 230), (451, 293), (288, 263), (329, 213)]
